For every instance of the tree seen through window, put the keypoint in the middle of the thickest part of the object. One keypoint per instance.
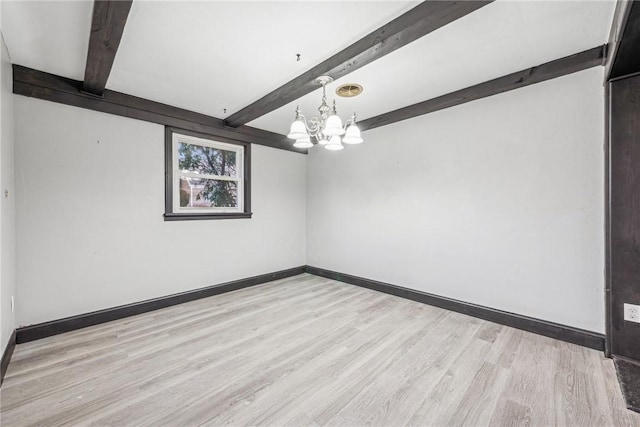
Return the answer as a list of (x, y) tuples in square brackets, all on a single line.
[(207, 191)]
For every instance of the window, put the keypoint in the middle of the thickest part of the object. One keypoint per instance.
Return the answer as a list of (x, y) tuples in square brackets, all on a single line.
[(207, 177)]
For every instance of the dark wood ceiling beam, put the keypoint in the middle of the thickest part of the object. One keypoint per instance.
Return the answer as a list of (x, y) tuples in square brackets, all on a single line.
[(412, 25), (624, 41), (107, 26), (550, 70), (41, 85)]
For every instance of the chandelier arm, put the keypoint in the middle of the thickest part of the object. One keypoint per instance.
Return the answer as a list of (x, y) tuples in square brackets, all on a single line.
[(314, 126), (310, 128)]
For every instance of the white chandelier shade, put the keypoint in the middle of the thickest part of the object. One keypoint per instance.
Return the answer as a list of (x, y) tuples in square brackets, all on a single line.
[(298, 130), (303, 143), (333, 126), (327, 130), (334, 144), (352, 136)]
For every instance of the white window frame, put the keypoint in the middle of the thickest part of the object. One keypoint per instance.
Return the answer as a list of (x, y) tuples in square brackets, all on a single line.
[(178, 138)]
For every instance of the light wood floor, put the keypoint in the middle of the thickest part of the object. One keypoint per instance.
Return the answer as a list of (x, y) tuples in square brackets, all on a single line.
[(308, 351)]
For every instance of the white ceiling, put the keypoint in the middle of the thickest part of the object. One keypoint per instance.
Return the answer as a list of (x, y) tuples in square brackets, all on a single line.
[(208, 56), (51, 36)]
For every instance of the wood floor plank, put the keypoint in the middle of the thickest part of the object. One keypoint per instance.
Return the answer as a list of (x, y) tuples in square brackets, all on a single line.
[(133, 334), (222, 319), (576, 389), (393, 397), (308, 351), (442, 402), (154, 320), (140, 358), (279, 399), (531, 383), (260, 380), (223, 354)]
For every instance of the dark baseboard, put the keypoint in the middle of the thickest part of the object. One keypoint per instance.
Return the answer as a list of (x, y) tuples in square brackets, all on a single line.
[(55, 327), (541, 327), (628, 372), (529, 324), (6, 356)]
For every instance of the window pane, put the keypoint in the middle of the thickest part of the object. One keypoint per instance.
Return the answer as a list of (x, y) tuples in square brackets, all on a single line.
[(207, 160), (208, 193)]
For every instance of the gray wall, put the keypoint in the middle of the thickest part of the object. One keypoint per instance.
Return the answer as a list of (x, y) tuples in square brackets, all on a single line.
[(90, 199), (497, 202), (7, 204)]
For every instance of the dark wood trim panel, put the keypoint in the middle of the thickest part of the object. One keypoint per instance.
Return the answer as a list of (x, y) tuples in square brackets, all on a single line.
[(625, 77), (107, 26), (624, 41), (607, 221), (6, 356), (195, 217), (620, 18), (169, 215), (55, 327), (550, 70), (529, 324), (49, 87), (623, 205), (628, 372), (419, 21)]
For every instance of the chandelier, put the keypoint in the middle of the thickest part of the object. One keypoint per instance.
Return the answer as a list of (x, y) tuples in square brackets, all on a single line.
[(326, 130)]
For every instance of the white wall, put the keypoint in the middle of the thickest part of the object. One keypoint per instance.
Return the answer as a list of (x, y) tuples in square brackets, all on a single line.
[(497, 202), (90, 199), (7, 204)]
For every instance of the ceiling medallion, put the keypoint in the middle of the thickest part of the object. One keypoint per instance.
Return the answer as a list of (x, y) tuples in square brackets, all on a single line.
[(327, 129)]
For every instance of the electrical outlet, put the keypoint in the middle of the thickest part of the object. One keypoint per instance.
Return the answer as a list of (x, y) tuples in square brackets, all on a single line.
[(632, 313), (13, 304)]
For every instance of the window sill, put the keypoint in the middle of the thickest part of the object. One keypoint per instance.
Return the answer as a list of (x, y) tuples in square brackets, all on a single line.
[(199, 216)]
